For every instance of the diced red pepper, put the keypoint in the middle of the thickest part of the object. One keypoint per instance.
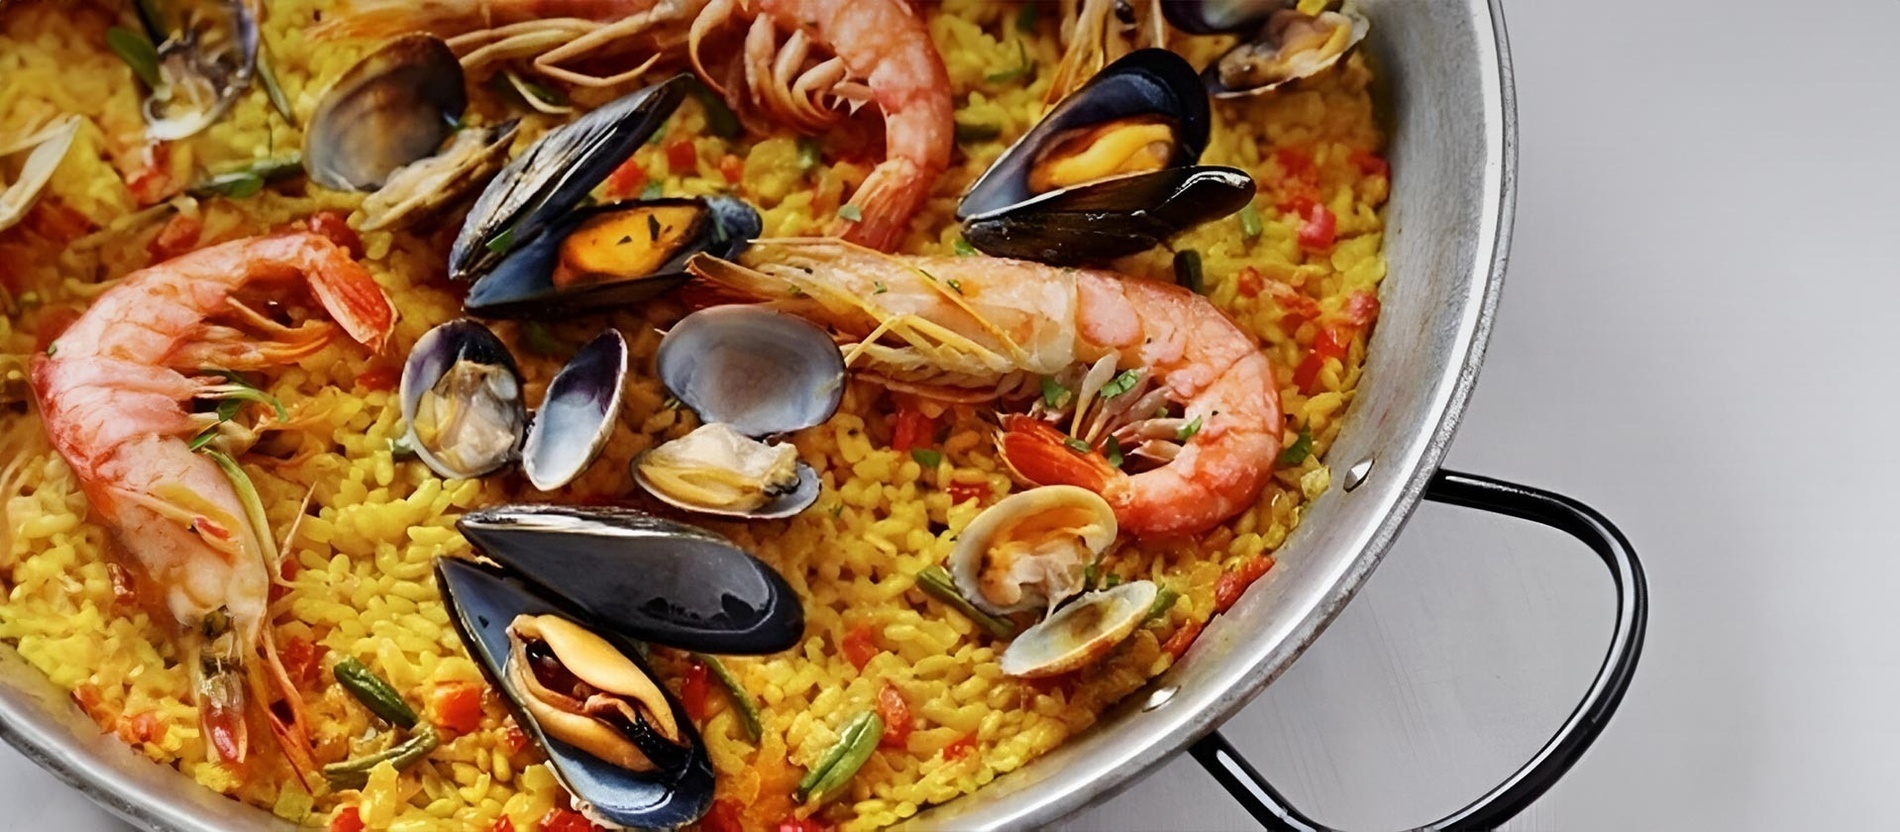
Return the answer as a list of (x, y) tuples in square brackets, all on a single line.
[(1370, 163), (913, 430), (693, 690), (383, 377), (502, 824), (960, 747), (177, 236), (346, 819), (334, 225), (302, 660), (627, 179), (802, 825), (896, 714), (1319, 230), (1330, 343), (963, 492), (722, 817), (732, 168), (1362, 308), (1182, 639), (1297, 164), (54, 220), (566, 820), (858, 647), (457, 706), (1249, 282), (681, 155), (1235, 581)]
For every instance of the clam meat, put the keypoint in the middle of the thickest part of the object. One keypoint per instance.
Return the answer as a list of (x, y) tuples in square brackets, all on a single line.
[(715, 468), (1031, 549), (462, 400), (584, 692), (1081, 632)]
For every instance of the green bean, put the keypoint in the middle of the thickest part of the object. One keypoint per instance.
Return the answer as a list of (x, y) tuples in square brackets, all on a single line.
[(748, 708), (1301, 448), (1187, 271), (1164, 601), (375, 694), (935, 582), (856, 741), (354, 774), (248, 180)]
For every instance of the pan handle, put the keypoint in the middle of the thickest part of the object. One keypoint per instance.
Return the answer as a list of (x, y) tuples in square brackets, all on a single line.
[(1530, 782)]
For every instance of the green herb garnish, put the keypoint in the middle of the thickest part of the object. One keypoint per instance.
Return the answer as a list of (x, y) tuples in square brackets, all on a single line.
[(1188, 430), (955, 285), (1077, 445), (963, 248), (968, 132), (1250, 226), (138, 53), (1121, 383), (808, 153), (926, 457), (850, 212), (1164, 601), (878, 287), (1054, 395), (1301, 448), (651, 191), (1187, 271), (1113, 450)]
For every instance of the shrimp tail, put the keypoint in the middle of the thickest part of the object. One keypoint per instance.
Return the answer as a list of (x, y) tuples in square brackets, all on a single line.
[(284, 710), (212, 649), (348, 292), (885, 202)]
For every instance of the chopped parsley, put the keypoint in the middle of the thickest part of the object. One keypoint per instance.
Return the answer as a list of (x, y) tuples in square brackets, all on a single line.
[(1188, 430), (963, 248), (1301, 448), (1077, 445), (651, 191), (1054, 394), (138, 53), (926, 457), (1113, 450), (878, 287), (850, 212), (955, 285), (1121, 383), (808, 154)]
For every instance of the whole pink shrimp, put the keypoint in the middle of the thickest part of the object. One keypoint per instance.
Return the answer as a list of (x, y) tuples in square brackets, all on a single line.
[(1158, 369), (113, 392)]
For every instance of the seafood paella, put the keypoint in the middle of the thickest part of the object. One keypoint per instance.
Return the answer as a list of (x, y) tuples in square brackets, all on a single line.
[(550, 414)]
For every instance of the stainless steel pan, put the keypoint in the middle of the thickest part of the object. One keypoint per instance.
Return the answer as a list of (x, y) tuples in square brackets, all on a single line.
[(1449, 108)]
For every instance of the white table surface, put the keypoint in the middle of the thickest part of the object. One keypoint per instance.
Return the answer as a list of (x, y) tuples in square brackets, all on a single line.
[(1695, 339)]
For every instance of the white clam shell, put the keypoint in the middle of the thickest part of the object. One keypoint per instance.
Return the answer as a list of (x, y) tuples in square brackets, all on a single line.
[(1053, 568), (1081, 632)]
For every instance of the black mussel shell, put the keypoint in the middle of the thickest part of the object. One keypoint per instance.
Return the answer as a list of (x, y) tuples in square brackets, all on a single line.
[(555, 173), (1142, 83), (482, 603), (760, 371), (521, 285), (1112, 218), (578, 414), (1215, 17), (394, 107), (464, 342), (643, 577), (206, 63)]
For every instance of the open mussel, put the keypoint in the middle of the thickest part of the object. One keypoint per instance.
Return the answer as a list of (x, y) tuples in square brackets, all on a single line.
[(750, 373), (1109, 172), (617, 741), (1281, 44), (462, 400), (612, 255), (642, 576), (544, 184), (207, 55), (389, 125)]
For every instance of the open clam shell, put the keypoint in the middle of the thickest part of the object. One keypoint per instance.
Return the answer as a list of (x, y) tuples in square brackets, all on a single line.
[(760, 371), (205, 63), (612, 255), (555, 173), (1080, 633), (642, 576), (578, 415), (462, 401), (44, 150), (1290, 45), (393, 108), (483, 604)]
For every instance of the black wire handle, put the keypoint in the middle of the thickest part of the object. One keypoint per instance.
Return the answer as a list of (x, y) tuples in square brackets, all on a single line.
[(1530, 782)]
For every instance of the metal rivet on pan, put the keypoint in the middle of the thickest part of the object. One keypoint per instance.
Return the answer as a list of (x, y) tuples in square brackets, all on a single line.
[(1357, 473), (1158, 698)]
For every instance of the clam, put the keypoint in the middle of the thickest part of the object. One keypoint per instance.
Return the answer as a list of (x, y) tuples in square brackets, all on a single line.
[(642, 576), (577, 415), (462, 401), (1110, 171), (1031, 549), (542, 185), (750, 373), (1287, 44), (612, 255), (389, 125), (207, 54), (43, 150), (1081, 632), (626, 751), (583, 691)]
